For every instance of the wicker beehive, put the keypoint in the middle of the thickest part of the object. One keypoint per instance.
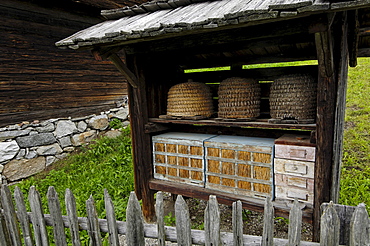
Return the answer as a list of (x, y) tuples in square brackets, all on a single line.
[(239, 98), (293, 97), (190, 99)]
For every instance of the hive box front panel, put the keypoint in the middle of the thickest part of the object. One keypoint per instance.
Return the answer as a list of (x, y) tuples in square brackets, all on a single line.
[(180, 157), (240, 165)]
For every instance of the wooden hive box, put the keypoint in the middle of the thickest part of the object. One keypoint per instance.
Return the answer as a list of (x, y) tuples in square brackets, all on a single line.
[(179, 157), (240, 165), (294, 165)]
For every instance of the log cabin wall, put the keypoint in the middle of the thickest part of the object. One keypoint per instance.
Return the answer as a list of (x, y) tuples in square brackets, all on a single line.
[(39, 81)]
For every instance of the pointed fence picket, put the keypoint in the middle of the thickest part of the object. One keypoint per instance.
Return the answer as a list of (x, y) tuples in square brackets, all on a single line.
[(340, 225)]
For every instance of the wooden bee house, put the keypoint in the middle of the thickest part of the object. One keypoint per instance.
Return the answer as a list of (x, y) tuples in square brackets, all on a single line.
[(160, 42)]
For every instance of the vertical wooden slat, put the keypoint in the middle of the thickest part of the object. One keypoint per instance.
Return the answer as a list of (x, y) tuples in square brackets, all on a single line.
[(295, 224), (111, 220), (268, 224), (360, 227), (92, 223), (340, 106), (212, 222), (56, 215), (330, 225), (237, 223), (344, 213), (135, 222), (23, 217), (37, 218), (4, 233), (72, 217), (10, 215), (159, 209), (183, 228)]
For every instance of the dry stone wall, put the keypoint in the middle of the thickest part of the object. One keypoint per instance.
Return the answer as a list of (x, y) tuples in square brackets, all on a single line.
[(28, 148)]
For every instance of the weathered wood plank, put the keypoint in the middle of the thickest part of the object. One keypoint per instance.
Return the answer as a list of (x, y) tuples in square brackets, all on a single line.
[(237, 223), (183, 228), (268, 223), (24, 220), (93, 224), (56, 215), (10, 216), (295, 225), (330, 227), (159, 210), (37, 218), (212, 222), (360, 227), (135, 222), (72, 217), (340, 105), (4, 234), (141, 141), (111, 220)]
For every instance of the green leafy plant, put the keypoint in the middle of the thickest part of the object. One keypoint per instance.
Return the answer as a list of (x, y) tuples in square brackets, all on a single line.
[(115, 123), (169, 220)]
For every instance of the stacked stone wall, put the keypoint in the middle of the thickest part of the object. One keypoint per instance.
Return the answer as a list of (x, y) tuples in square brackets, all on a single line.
[(29, 147)]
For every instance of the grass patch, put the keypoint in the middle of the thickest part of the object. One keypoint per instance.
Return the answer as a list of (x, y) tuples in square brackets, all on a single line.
[(355, 180)]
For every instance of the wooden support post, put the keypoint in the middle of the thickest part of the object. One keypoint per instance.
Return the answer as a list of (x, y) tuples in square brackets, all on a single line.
[(141, 142), (353, 37), (333, 59)]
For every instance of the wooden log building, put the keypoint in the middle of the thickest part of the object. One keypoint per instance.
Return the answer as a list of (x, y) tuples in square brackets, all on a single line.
[(255, 158), (39, 81)]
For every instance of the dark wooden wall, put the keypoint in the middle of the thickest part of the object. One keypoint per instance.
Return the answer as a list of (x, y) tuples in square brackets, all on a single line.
[(39, 81)]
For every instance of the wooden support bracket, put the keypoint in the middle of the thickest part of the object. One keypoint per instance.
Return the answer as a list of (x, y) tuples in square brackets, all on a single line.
[(121, 66), (100, 54)]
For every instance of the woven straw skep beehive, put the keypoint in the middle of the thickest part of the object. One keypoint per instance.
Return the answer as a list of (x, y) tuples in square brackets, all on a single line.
[(293, 97), (239, 98), (190, 99)]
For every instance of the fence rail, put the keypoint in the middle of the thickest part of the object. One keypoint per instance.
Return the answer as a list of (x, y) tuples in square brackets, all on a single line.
[(15, 223)]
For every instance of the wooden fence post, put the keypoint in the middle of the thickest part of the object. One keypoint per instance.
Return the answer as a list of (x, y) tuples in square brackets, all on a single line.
[(212, 222), (183, 228), (72, 217), (268, 224), (23, 217), (37, 218), (92, 223), (10, 215), (135, 222), (111, 220), (295, 225), (330, 227), (4, 234), (237, 223), (56, 215), (360, 226), (160, 219)]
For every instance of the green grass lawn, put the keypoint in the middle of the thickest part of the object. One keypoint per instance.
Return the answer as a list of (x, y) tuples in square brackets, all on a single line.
[(355, 181)]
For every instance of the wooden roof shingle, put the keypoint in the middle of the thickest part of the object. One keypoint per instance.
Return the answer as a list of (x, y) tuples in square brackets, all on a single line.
[(169, 17)]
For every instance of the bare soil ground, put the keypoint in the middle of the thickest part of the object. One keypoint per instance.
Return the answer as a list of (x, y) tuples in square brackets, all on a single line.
[(253, 221)]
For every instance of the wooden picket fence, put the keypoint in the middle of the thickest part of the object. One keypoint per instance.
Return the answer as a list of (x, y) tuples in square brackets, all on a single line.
[(15, 223)]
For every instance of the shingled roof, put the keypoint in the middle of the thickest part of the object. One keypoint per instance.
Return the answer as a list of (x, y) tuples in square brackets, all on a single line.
[(157, 19)]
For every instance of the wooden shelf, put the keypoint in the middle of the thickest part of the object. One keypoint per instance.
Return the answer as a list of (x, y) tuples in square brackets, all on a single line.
[(224, 197), (260, 123)]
